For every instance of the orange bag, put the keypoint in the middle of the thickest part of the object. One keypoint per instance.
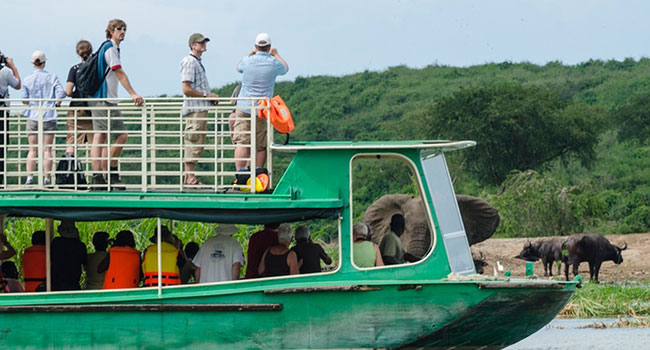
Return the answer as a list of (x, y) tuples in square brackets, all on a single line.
[(280, 115)]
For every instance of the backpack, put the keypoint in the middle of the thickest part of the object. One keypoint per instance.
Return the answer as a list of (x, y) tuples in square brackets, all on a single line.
[(279, 114), (88, 78), (66, 171)]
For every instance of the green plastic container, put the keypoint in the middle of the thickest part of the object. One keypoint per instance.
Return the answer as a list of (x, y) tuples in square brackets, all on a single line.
[(529, 268)]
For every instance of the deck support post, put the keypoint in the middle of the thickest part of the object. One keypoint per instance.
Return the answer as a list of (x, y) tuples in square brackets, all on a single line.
[(159, 242), (49, 232)]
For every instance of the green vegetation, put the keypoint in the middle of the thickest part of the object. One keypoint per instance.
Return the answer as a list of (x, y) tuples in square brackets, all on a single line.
[(594, 300)]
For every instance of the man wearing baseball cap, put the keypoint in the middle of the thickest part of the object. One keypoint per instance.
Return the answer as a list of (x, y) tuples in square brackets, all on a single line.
[(260, 68), (8, 77), (195, 112)]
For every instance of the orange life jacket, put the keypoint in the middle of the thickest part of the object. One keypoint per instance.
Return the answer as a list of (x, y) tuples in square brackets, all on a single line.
[(170, 273), (123, 269), (278, 113), (34, 267)]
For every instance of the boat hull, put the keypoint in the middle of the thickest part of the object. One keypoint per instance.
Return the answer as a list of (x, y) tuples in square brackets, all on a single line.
[(435, 315)]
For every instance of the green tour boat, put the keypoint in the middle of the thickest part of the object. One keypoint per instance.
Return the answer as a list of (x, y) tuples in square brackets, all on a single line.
[(435, 301)]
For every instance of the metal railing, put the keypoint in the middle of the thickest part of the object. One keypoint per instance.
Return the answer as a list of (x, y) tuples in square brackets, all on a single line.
[(153, 156)]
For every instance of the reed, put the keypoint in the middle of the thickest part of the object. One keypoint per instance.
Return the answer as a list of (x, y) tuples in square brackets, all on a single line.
[(624, 299)]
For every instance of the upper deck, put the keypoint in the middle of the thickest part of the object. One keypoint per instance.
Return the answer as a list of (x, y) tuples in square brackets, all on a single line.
[(152, 167)]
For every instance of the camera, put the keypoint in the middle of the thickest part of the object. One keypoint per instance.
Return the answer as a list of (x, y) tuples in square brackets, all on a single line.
[(3, 58)]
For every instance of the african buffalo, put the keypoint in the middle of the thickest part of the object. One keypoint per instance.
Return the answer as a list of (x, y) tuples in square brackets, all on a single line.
[(592, 248), (547, 250)]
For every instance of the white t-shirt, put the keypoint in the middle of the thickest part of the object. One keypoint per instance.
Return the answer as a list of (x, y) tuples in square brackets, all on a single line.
[(112, 56), (216, 257)]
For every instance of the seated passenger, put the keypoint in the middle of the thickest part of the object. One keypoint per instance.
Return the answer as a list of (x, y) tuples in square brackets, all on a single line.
[(68, 255), (122, 263), (4, 243), (94, 278), (10, 274), (187, 271), (257, 245), (391, 245), (172, 260), (309, 252), (279, 260), (34, 269), (220, 258), (364, 253)]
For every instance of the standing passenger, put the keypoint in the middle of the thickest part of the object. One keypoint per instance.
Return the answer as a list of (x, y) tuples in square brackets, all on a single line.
[(260, 68), (34, 267), (171, 260), (110, 60), (195, 84), (94, 278), (309, 252), (279, 260), (258, 244), (41, 85), (122, 264), (68, 255), (78, 119), (220, 258), (364, 253), (8, 77)]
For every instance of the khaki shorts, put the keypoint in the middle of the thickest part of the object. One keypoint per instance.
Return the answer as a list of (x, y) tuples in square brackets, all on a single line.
[(101, 116), (242, 128), (84, 127), (196, 125)]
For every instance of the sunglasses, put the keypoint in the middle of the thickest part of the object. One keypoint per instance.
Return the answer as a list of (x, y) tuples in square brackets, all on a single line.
[(121, 29)]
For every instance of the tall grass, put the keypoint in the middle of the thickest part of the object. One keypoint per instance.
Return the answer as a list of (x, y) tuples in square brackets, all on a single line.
[(627, 299)]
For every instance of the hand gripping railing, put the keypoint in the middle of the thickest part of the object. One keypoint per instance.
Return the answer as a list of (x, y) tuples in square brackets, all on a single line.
[(152, 159)]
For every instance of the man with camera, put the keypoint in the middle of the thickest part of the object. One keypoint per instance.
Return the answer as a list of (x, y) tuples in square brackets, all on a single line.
[(8, 77)]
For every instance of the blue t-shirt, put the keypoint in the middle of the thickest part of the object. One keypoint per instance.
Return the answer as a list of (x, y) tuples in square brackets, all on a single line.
[(258, 80)]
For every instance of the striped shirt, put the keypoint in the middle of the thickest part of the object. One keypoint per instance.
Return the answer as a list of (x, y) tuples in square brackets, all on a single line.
[(192, 70), (42, 84)]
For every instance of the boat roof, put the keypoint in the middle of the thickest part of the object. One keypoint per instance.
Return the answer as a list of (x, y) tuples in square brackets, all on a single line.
[(434, 145)]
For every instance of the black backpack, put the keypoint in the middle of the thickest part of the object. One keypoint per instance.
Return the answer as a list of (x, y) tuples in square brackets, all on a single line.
[(87, 78), (66, 171)]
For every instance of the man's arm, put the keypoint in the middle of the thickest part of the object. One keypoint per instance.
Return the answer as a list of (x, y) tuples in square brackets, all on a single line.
[(323, 255), (68, 88), (197, 274), (292, 261), (277, 56), (12, 66), (103, 265), (191, 92), (124, 80), (236, 269), (378, 260)]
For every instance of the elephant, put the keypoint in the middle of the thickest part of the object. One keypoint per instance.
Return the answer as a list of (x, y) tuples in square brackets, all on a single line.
[(479, 218)]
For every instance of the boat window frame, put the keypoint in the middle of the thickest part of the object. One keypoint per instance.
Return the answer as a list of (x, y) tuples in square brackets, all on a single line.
[(418, 176)]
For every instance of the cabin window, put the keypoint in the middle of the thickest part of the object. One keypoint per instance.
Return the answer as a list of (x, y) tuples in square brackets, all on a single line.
[(448, 214), (385, 189)]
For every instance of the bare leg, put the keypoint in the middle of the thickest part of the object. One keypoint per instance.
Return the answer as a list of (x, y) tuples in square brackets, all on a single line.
[(242, 152), (189, 172), (47, 154), (31, 155), (116, 148), (96, 151), (260, 158)]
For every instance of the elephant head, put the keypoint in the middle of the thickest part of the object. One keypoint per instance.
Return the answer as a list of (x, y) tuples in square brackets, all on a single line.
[(479, 218)]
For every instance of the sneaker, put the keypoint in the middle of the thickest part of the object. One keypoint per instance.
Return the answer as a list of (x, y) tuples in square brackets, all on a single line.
[(115, 182), (98, 179), (29, 181), (47, 181)]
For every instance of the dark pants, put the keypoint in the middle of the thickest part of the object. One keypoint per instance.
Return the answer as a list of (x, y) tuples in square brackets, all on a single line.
[(4, 140)]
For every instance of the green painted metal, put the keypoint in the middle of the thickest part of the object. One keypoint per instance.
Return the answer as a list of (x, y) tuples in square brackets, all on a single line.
[(404, 305)]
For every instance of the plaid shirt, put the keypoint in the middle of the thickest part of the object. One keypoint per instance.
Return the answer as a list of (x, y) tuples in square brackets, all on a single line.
[(193, 71)]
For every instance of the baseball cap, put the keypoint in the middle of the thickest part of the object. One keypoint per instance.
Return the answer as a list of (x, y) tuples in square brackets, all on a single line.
[(39, 56), (263, 39), (197, 38)]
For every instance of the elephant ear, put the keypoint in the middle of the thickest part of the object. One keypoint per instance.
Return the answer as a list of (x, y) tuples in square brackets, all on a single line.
[(479, 218), (378, 215)]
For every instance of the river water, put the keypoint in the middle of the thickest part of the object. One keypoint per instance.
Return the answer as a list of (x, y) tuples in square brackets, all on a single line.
[(567, 334)]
